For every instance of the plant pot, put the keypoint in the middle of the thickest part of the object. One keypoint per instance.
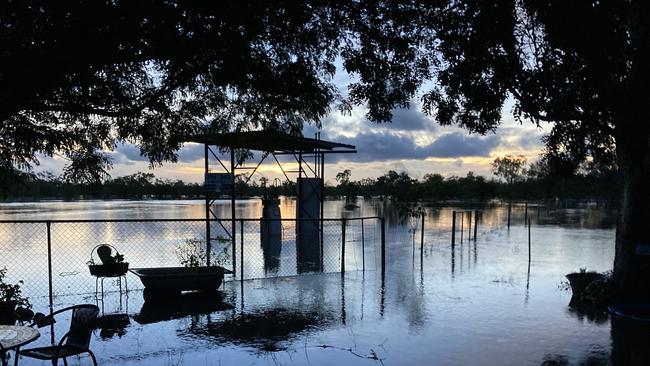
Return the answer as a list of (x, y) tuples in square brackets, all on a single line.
[(166, 282), (580, 281), (109, 270), (8, 313)]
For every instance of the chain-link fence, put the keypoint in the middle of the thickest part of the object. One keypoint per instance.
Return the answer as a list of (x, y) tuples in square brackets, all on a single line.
[(53, 256)]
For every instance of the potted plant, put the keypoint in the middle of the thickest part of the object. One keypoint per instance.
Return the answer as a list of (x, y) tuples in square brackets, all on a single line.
[(580, 280), (13, 305), (111, 265)]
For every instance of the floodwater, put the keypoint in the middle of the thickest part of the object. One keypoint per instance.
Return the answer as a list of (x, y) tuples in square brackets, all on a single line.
[(478, 303)]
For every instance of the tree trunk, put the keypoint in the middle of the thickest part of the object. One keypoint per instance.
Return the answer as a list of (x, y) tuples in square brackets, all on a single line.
[(632, 261)]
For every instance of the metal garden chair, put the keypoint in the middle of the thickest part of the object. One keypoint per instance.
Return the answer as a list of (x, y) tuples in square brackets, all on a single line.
[(76, 341)]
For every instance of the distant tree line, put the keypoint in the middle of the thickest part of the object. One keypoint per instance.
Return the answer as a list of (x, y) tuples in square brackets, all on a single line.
[(140, 185), (536, 181)]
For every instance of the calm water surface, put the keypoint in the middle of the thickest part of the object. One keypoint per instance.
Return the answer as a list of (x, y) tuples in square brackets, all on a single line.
[(478, 304)]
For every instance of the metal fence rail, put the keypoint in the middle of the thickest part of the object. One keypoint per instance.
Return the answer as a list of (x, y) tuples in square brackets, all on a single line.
[(50, 256)]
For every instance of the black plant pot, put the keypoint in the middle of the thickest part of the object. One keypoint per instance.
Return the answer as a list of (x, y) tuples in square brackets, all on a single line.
[(8, 313), (109, 270), (580, 281)]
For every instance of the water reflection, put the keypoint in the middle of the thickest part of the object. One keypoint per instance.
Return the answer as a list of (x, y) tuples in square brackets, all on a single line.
[(176, 307), (264, 329), (271, 248), (587, 312), (499, 309), (111, 325)]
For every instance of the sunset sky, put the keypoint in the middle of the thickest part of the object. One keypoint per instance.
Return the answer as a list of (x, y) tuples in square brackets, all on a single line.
[(413, 142)]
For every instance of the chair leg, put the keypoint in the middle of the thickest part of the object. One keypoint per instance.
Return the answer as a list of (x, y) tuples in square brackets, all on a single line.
[(65, 362), (92, 355), (16, 355)]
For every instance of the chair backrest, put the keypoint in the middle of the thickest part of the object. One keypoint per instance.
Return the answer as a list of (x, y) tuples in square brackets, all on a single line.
[(81, 325)]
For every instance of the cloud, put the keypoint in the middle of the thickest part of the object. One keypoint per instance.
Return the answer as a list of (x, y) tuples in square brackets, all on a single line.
[(128, 154), (384, 146), (408, 119), (191, 152), (128, 151), (457, 144), (531, 141)]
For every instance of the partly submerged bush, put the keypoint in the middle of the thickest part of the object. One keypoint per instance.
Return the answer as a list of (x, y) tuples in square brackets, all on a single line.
[(193, 253)]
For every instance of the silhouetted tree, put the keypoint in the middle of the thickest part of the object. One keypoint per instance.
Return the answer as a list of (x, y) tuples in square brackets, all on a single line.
[(152, 71), (509, 167), (79, 77), (580, 65)]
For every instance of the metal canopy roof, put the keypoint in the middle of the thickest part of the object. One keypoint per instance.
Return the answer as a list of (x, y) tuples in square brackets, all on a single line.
[(271, 141)]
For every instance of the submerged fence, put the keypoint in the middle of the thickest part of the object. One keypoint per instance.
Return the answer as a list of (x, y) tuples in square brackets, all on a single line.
[(51, 257)]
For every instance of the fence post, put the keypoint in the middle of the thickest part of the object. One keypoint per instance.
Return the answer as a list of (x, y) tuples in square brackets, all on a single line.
[(509, 212), (525, 212), (453, 229), (422, 239), (241, 251), (383, 245), (208, 239), (528, 241), (363, 248), (469, 225), (48, 225), (475, 223), (462, 230), (342, 246)]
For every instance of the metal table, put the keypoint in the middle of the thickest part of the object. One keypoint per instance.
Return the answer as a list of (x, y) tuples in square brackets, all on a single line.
[(15, 336)]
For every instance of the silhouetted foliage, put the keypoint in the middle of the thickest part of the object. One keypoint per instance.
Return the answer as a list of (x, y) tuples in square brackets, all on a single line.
[(432, 187), (581, 65), (509, 167), (535, 185), (150, 72)]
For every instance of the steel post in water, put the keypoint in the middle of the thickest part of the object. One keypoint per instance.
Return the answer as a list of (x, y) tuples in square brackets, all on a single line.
[(469, 225), (453, 229), (363, 248), (342, 246), (49, 275), (383, 246), (509, 212), (422, 240), (529, 241), (208, 240), (525, 212), (49, 263), (475, 223), (322, 207), (232, 211), (462, 231), (241, 251)]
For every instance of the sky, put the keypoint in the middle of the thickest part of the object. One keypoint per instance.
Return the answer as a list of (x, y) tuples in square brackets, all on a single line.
[(413, 142)]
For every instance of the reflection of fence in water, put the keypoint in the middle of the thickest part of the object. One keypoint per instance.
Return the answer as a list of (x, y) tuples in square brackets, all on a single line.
[(154, 243), (362, 247)]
